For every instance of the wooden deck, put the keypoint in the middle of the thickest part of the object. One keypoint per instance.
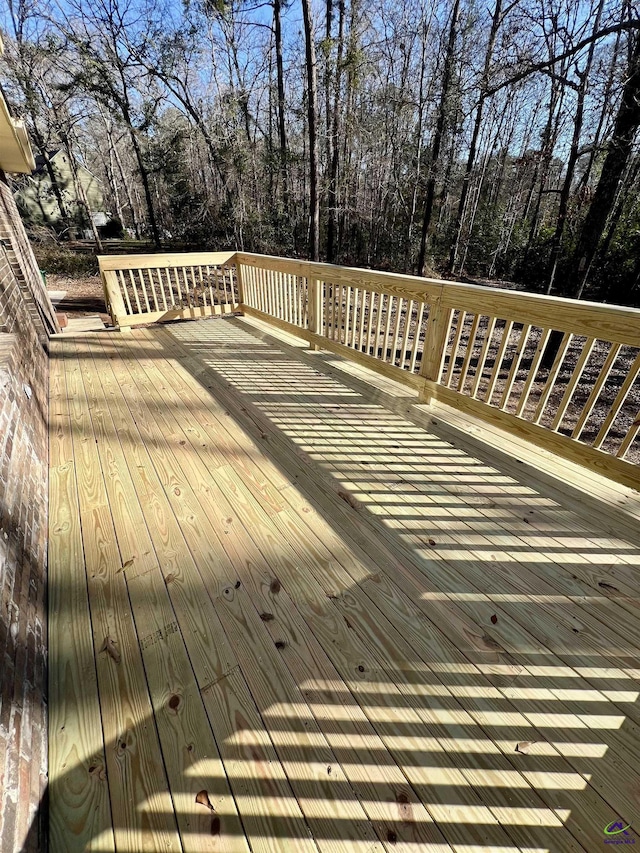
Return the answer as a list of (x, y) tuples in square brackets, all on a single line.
[(289, 612)]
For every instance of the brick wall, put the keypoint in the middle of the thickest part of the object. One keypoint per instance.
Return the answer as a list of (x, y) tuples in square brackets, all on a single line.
[(23, 537)]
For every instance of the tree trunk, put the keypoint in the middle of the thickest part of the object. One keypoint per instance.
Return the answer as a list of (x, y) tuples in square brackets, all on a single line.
[(565, 194), (625, 128), (437, 137), (130, 201), (549, 139), (484, 82), (332, 197), (312, 117), (81, 196), (144, 177), (282, 133)]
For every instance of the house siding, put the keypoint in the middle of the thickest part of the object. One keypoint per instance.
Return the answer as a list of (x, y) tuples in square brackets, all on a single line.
[(23, 538), (38, 202)]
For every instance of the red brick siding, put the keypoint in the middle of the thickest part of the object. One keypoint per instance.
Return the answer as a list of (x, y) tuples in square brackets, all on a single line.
[(23, 539)]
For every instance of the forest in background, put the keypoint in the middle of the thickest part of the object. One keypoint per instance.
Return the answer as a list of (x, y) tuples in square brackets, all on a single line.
[(489, 138)]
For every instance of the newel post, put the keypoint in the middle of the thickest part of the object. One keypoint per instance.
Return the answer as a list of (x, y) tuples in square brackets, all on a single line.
[(239, 282), (114, 300), (435, 345), (314, 297)]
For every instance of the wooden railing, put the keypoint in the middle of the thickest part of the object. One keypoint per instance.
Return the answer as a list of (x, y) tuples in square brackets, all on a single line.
[(483, 351), (147, 288)]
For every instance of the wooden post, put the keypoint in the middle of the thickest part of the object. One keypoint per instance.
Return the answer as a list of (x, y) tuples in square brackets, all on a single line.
[(314, 297), (239, 281), (435, 345), (114, 300)]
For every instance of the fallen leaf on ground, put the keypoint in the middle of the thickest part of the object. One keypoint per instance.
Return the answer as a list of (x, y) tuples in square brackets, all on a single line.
[(524, 746)]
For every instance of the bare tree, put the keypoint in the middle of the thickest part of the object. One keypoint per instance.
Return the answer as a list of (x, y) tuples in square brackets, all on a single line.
[(436, 143), (312, 126)]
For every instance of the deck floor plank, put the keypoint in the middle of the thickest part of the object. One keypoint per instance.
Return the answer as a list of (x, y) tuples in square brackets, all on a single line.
[(143, 813), (344, 683), (188, 746), (80, 811)]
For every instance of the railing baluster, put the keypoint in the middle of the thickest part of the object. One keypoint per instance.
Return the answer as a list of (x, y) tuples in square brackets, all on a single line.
[(387, 326), (396, 331), (188, 296), (587, 349), (483, 357), (176, 273), (340, 315), (361, 325), (515, 365), (376, 342), (416, 340), (617, 404), (246, 285), (524, 396), (264, 292), (123, 285), (135, 291), (291, 290), (225, 284), (462, 316), (595, 391), (161, 286), (208, 280), (470, 347), (300, 288), (152, 287), (551, 379), (407, 328), (628, 440), (497, 364)]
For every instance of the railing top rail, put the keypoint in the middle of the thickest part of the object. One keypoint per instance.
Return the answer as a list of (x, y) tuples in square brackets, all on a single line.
[(163, 260), (414, 286), (614, 323), (593, 319)]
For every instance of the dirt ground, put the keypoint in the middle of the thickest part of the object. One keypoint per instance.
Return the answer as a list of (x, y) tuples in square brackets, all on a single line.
[(84, 296)]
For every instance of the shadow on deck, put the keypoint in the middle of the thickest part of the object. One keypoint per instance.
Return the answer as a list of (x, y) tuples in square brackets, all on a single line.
[(286, 616)]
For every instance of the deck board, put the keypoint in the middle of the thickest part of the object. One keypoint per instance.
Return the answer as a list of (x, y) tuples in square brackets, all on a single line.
[(329, 617)]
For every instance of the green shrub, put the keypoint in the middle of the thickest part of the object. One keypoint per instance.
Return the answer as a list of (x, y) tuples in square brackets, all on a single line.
[(60, 260)]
